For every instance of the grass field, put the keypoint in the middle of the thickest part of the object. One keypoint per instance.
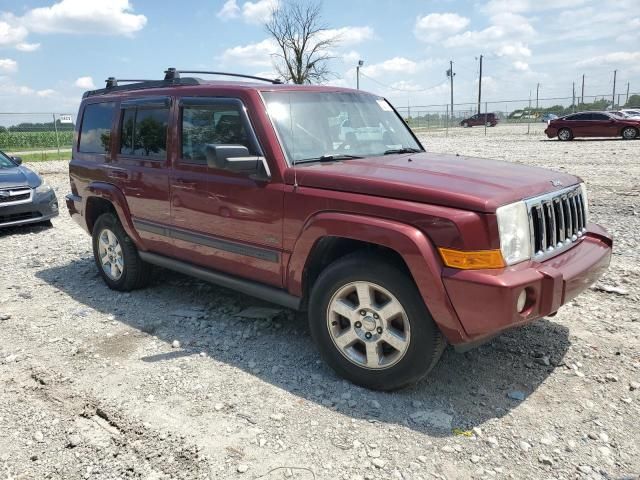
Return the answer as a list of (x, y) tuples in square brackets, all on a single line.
[(19, 141), (45, 155)]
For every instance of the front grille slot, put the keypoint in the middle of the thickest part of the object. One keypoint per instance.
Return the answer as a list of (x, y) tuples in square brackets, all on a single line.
[(18, 217), (15, 196), (556, 221)]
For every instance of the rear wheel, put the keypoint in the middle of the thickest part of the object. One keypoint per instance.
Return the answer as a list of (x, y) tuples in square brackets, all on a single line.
[(370, 324), (488, 124), (565, 134), (116, 256), (629, 133), (465, 124)]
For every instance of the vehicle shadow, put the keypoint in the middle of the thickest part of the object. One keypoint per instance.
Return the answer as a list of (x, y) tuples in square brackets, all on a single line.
[(25, 229), (463, 391)]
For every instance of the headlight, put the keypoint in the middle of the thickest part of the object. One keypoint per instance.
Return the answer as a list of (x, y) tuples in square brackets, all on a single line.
[(43, 188), (515, 238), (583, 188)]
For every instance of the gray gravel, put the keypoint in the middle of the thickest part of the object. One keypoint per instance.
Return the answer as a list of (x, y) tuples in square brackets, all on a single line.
[(176, 381)]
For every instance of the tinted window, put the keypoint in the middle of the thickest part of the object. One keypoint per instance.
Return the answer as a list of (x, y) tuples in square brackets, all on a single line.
[(143, 132), (579, 116), (211, 125), (95, 134), (599, 116)]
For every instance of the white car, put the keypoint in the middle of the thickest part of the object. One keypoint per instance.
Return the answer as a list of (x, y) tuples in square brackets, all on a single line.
[(631, 112)]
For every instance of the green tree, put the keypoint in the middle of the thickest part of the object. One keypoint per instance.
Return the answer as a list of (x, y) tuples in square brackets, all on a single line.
[(634, 101)]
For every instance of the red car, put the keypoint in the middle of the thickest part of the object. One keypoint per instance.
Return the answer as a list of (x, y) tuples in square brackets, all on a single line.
[(480, 119), (593, 124), (393, 252)]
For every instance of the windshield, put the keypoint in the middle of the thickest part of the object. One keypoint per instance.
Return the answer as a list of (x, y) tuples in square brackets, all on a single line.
[(5, 162), (316, 126)]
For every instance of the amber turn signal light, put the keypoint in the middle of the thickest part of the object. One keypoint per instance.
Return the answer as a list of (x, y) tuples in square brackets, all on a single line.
[(472, 260)]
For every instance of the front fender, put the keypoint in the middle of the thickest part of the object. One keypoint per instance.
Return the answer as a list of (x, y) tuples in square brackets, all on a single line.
[(410, 243), (114, 195)]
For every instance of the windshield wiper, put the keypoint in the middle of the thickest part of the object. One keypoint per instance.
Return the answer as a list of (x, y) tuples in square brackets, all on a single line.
[(327, 158), (402, 150)]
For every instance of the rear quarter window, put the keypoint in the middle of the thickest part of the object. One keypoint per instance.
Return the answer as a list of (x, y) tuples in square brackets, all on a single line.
[(95, 132)]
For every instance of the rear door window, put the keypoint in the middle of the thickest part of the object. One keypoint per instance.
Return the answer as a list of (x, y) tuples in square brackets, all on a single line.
[(143, 128), (95, 132), (599, 116)]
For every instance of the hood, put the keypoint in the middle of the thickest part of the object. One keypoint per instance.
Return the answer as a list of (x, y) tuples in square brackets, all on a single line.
[(449, 180), (18, 177)]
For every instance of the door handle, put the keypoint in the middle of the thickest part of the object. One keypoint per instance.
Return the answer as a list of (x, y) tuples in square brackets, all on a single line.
[(118, 174)]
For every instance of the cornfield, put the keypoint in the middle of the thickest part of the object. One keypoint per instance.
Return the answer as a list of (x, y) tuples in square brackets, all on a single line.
[(27, 140)]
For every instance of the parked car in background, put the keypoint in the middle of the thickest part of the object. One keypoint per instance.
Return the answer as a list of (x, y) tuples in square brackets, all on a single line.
[(394, 252), (488, 119), (24, 196), (593, 124), (547, 117), (631, 112)]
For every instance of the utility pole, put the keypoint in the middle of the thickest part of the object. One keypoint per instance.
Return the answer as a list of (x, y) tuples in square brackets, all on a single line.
[(450, 74), (613, 97), (360, 63), (582, 93), (627, 100), (480, 86), (537, 92), (574, 97)]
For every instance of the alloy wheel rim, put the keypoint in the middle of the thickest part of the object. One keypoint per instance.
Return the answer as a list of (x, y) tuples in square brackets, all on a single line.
[(110, 254), (368, 325), (564, 134), (629, 133)]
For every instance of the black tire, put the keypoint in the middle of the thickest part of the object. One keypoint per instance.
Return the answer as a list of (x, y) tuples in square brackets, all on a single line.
[(465, 125), (426, 343), (562, 134), (135, 273), (629, 133)]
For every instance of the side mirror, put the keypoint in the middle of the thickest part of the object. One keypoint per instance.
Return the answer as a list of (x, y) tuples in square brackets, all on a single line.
[(18, 160), (236, 158)]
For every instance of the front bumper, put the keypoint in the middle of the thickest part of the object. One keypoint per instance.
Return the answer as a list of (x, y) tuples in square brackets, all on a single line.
[(485, 300), (41, 208)]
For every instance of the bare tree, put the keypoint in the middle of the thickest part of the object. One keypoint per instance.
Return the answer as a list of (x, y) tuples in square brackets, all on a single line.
[(304, 42)]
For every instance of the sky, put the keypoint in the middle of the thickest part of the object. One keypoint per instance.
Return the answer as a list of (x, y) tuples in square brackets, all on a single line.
[(52, 51)]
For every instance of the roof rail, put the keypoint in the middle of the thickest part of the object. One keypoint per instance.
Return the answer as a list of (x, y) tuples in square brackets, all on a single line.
[(173, 73)]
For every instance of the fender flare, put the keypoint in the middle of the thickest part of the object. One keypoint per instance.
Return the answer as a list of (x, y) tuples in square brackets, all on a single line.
[(114, 195), (410, 243)]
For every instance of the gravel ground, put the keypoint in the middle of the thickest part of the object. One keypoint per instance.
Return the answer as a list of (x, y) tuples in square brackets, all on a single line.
[(187, 380)]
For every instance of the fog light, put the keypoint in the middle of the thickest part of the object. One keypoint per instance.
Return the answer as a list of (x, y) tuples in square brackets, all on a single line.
[(522, 301)]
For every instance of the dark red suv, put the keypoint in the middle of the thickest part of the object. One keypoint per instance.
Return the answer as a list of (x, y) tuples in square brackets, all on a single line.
[(391, 250), (593, 124), (480, 119)]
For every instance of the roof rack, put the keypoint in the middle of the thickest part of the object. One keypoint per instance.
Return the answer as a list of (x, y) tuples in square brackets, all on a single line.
[(173, 73), (171, 78)]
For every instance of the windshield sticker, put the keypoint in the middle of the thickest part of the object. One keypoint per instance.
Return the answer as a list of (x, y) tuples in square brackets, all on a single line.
[(384, 105)]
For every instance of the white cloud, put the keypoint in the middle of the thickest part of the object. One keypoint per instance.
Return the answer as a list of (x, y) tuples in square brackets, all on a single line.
[(521, 66), (393, 65), (253, 54), (516, 49), (229, 10), (45, 93), (435, 26), (113, 17), (346, 36), (8, 66), (11, 34), (85, 82), (613, 58), (27, 47), (258, 11), (351, 57), (505, 26)]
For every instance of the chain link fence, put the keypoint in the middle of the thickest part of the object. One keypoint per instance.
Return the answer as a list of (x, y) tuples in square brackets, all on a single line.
[(37, 136), (526, 117)]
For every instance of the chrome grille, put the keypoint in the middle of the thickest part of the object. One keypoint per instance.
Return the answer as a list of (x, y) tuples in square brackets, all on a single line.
[(556, 220), (15, 196)]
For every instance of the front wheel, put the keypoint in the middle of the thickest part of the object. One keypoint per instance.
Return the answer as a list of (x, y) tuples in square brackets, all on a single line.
[(564, 134), (629, 133), (465, 124), (371, 325), (116, 256)]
